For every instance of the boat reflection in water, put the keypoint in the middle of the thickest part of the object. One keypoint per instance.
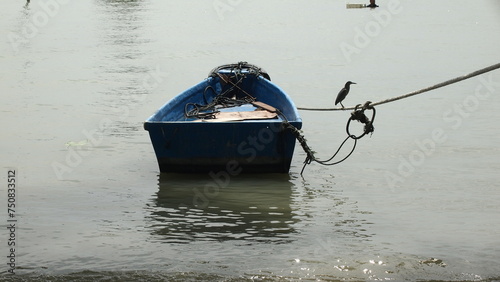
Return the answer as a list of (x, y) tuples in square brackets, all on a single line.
[(200, 207)]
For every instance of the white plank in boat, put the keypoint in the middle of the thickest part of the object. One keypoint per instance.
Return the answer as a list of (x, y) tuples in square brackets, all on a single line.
[(239, 116)]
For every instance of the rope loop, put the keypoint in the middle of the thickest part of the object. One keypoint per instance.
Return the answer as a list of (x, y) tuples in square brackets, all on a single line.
[(359, 115)]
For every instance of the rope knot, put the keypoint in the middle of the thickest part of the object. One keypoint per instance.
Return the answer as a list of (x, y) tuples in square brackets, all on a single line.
[(368, 105), (359, 115)]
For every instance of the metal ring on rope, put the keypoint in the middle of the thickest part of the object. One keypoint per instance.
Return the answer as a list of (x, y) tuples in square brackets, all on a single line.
[(358, 114)]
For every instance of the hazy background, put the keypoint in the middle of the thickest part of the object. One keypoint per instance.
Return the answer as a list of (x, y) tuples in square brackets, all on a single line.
[(419, 199)]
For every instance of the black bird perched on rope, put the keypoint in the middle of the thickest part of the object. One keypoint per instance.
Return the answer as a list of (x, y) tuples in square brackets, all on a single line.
[(343, 93)]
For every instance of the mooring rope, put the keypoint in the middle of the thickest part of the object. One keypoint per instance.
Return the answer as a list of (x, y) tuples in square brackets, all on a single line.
[(358, 115), (436, 86)]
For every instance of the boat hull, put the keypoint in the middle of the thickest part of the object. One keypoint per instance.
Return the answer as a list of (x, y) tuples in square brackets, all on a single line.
[(235, 147)]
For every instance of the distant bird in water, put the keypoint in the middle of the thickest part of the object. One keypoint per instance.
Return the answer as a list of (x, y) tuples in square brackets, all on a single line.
[(343, 93)]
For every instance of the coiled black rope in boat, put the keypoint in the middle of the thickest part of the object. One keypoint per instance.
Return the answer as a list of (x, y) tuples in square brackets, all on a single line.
[(358, 115), (224, 99)]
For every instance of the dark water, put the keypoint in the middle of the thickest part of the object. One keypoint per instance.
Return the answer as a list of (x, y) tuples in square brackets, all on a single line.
[(418, 200)]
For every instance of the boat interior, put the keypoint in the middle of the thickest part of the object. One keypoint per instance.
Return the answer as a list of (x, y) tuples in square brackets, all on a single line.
[(230, 97)]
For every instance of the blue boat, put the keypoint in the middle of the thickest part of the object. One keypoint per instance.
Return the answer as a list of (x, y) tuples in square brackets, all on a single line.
[(235, 120)]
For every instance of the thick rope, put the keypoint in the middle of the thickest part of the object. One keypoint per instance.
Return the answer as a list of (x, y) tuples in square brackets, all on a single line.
[(439, 85)]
